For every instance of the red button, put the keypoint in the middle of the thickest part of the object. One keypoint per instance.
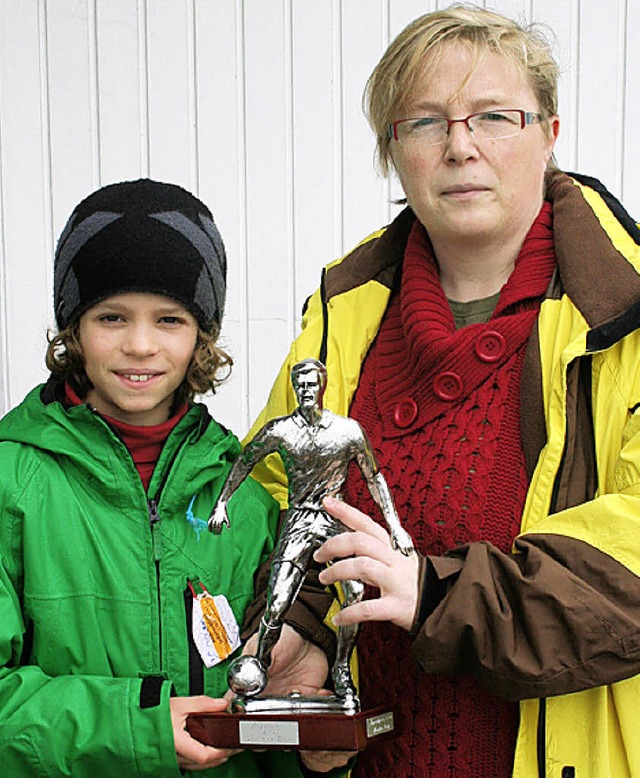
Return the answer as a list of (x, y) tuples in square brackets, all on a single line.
[(405, 412), (490, 346), (448, 386)]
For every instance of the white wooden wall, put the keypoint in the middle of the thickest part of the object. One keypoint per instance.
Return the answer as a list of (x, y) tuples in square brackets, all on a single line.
[(255, 105)]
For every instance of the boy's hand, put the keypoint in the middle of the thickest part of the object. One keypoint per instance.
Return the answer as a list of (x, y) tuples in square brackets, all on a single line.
[(193, 755)]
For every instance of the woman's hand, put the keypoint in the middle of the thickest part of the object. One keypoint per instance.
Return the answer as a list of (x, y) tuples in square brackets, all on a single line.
[(366, 555), (193, 755)]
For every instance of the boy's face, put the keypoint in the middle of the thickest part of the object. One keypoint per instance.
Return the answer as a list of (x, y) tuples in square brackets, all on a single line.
[(137, 348)]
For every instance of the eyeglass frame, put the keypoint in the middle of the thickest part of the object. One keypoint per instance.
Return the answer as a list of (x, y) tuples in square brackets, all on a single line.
[(526, 118)]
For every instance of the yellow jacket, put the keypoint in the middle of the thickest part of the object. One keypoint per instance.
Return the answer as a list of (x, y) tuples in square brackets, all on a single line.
[(570, 648)]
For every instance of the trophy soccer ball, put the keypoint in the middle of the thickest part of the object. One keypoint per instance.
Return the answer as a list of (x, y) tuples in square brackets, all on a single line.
[(247, 676)]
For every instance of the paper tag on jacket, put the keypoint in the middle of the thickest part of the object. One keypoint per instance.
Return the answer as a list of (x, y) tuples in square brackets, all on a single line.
[(214, 627)]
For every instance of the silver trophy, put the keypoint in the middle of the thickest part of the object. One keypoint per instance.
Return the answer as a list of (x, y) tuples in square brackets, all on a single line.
[(316, 447)]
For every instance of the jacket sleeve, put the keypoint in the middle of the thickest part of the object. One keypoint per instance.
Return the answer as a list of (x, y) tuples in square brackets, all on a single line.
[(74, 724), (556, 616), (71, 724), (561, 612)]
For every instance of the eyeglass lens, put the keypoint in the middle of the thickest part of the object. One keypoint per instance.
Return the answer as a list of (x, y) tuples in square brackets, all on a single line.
[(489, 124)]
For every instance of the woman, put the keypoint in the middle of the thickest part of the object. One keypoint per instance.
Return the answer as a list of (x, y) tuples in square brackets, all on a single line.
[(487, 342)]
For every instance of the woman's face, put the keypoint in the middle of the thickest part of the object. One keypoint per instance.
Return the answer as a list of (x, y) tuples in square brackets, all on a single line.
[(467, 188)]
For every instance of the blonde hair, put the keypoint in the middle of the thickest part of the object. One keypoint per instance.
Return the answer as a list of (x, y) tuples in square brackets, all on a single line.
[(391, 84), (209, 365)]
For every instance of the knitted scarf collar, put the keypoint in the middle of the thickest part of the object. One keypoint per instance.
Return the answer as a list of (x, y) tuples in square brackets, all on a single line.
[(420, 356)]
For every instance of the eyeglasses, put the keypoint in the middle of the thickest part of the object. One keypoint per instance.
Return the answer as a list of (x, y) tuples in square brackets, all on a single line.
[(490, 125)]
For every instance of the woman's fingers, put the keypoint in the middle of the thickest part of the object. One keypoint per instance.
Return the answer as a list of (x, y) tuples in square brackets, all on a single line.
[(354, 519), (359, 568), (366, 554), (355, 544)]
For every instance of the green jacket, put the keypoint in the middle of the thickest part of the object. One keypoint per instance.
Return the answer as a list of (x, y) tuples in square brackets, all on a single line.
[(556, 623), (94, 595)]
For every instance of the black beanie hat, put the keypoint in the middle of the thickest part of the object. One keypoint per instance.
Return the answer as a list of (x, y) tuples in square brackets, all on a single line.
[(140, 236)]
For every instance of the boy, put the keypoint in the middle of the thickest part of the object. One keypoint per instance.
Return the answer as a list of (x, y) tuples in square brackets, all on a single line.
[(110, 635)]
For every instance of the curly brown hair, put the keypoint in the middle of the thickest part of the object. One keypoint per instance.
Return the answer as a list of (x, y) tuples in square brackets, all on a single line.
[(209, 365)]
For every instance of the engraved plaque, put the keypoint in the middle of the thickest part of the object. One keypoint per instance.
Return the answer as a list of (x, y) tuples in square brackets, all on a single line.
[(269, 733), (378, 725)]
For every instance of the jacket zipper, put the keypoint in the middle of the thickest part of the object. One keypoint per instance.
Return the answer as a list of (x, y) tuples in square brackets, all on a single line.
[(155, 519), (154, 523), (156, 545), (325, 317), (541, 733), (541, 746)]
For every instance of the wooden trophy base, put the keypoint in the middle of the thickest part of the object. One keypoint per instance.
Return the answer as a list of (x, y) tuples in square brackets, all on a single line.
[(293, 731)]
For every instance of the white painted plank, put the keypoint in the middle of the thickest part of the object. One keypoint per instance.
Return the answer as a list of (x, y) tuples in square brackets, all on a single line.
[(631, 120), (403, 12), (520, 10), (171, 137), (25, 229), (269, 175), (219, 50), (72, 118), (317, 123), (4, 340), (118, 99), (600, 93), (364, 191), (561, 19)]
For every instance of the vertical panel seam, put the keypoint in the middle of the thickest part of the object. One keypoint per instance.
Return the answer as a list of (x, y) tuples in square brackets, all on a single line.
[(338, 130), (622, 95), (143, 62), (385, 29), (290, 199), (575, 28), (192, 54), (94, 93), (4, 321), (243, 237), (45, 123)]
